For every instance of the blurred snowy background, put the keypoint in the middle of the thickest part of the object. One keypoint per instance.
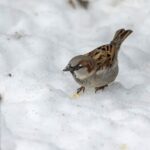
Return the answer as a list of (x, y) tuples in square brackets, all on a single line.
[(37, 39)]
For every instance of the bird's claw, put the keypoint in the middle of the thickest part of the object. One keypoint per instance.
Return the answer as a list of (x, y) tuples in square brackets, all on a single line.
[(100, 88), (82, 88)]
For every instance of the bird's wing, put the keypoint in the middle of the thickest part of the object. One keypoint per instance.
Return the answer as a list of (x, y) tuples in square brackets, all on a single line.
[(103, 56)]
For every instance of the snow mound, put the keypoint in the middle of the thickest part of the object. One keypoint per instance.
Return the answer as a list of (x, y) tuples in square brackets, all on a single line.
[(38, 112)]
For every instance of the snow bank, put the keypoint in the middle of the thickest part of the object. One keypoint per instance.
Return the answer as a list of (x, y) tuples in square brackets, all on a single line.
[(38, 112)]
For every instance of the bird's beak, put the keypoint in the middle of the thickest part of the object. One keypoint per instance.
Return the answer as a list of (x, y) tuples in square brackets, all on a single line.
[(66, 69)]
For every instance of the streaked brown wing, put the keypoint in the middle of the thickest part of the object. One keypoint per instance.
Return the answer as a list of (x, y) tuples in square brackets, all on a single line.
[(104, 56)]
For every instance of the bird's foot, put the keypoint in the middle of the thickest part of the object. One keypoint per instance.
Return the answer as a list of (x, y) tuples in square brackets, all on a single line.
[(100, 88), (82, 88)]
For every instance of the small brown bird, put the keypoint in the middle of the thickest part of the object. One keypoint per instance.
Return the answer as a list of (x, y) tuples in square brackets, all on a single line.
[(99, 67)]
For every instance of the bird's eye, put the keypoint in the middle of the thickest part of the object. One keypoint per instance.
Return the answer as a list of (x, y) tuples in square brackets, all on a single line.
[(80, 65)]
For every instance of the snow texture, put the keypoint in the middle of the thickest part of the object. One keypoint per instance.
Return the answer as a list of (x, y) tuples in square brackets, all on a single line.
[(38, 112)]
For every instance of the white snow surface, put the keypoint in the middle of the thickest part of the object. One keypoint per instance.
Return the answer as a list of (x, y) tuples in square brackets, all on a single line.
[(38, 112)]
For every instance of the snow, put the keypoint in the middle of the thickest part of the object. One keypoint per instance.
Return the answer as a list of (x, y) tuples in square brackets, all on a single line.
[(38, 112)]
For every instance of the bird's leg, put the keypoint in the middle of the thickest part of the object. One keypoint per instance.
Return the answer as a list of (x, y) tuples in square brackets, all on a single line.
[(100, 88), (82, 88)]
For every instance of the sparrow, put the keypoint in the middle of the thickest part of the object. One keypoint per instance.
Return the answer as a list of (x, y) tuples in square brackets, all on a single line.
[(99, 67), (82, 3)]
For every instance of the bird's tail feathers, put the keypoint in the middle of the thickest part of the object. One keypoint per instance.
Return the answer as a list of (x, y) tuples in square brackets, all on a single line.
[(120, 36)]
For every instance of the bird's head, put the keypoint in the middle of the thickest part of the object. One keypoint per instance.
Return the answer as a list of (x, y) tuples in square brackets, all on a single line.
[(81, 66)]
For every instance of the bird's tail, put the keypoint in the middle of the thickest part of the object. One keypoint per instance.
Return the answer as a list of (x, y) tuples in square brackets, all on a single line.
[(120, 36)]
